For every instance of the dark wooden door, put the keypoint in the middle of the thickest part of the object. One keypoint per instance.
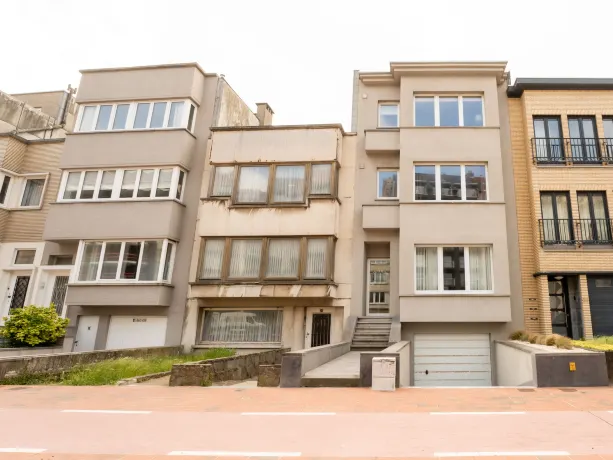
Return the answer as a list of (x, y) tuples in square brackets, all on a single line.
[(320, 333)]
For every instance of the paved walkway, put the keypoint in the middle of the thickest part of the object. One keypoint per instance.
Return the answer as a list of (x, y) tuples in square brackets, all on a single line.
[(346, 366)]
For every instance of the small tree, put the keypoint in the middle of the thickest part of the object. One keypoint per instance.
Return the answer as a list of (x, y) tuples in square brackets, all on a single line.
[(34, 325)]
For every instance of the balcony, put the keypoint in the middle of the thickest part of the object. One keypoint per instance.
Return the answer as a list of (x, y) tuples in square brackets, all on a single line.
[(574, 150), (382, 140), (559, 232), (380, 216)]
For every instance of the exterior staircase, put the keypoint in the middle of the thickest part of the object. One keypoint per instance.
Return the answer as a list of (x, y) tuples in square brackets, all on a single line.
[(371, 333)]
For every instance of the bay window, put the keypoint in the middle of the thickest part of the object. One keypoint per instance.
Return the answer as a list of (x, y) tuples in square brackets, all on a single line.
[(273, 184), (136, 115), (449, 111), (122, 184), (450, 183), (242, 326), (125, 261), (451, 268), (266, 259)]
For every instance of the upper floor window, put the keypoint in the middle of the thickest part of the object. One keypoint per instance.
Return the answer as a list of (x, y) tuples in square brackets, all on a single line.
[(137, 115), (22, 191), (24, 256), (119, 184), (4, 187), (125, 261), (387, 184), (449, 111), (265, 259), (273, 184), (32, 195), (388, 115), (440, 269), (451, 182)]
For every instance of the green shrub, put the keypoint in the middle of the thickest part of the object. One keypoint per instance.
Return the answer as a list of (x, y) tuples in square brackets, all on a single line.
[(34, 325), (517, 335)]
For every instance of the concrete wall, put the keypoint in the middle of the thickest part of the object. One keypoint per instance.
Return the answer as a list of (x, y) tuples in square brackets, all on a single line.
[(18, 114), (514, 367), (401, 351), (10, 352), (232, 110), (297, 363)]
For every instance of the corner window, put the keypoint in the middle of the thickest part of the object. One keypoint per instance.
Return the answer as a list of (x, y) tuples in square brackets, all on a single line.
[(441, 269), (387, 184), (450, 183), (4, 189), (125, 261), (260, 259), (176, 110), (449, 111), (321, 179), (32, 193), (388, 115), (24, 256)]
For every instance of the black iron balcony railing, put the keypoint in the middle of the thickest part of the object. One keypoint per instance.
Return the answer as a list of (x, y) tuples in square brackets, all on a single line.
[(594, 231), (567, 232), (572, 150)]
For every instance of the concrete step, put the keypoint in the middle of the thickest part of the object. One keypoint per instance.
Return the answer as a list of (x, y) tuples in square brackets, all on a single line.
[(330, 382), (364, 348), (383, 327), (375, 320), (369, 344)]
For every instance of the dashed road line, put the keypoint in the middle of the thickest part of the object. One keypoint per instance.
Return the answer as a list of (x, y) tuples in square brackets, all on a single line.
[(477, 413), (290, 413), (99, 411), (209, 453), (545, 453)]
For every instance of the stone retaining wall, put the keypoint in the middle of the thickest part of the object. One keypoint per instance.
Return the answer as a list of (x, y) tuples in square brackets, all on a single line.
[(55, 363), (240, 367)]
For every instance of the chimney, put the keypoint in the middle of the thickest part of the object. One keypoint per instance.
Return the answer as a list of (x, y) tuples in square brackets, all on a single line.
[(264, 114)]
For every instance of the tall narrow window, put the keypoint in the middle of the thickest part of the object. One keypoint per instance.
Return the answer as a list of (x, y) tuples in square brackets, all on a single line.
[(104, 116), (89, 261), (449, 111), (378, 286), (454, 277), (316, 260), (594, 223), (451, 183), (245, 257), (583, 139), (72, 185), (556, 225), (426, 267), (167, 272), (425, 182), (548, 145), (480, 260), (33, 192), (472, 111), (321, 175), (387, 184), (388, 116), (223, 181), (289, 184), (476, 184), (607, 123), (121, 116), (150, 261), (128, 184), (212, 259), (129, 263), (190, 120), (110, 263), (164, 183), (179, 193), (6, 181), (424, 111), (253, 184), (89, 184), (283, 258), (142, 114), (87, 119), (157, 116), (145, 183), (176, 110), (106, 184)]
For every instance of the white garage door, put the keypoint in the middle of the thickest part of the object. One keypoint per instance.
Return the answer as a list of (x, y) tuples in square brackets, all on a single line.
[(452, 360), (136, 332)]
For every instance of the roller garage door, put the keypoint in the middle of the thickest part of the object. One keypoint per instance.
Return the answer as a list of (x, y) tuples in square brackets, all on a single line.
[(452, 360), (600, 289), (136, 332)]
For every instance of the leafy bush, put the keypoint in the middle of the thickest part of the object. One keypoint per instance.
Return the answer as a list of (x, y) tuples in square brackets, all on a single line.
[(550, 340), (532, 338), (597, 343), (564, 342), (540, 339), (34, 325), (517, 335)]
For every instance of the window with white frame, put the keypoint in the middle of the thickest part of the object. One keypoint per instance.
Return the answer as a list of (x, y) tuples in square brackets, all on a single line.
[(387, 184), (122, 184), (125, 261), (450, 182), (273, 184), (32, 192), (136, 115), (449, 111), (265, 259), (450, 268), (388, 115), (235, 325), (24, 256)]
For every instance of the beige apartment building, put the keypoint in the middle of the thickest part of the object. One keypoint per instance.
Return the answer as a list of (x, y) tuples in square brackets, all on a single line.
[(32, 132), (271, 263), (435, 228), (126, 205), (562, 137)]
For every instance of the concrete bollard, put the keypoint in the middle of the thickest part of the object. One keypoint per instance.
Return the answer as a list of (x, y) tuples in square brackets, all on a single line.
[(384, 374)]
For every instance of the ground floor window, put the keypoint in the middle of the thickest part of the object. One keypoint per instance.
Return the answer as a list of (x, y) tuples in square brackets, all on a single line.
[(242, 326)]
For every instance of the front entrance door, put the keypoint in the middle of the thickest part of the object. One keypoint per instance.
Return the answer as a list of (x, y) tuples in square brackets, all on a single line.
[(378, 287), (561, 322), (86, 333), (17, 291), (58, 294), (320, 332)]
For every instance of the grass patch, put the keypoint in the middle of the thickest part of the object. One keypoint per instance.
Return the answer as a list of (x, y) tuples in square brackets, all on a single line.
[(597, 343), (111, 371), (541, 339)]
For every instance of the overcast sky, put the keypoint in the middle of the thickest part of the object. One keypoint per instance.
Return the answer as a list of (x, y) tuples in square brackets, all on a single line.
[(298, 55)]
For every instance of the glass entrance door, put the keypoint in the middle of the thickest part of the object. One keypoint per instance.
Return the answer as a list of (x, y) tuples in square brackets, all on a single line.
[(378, 287), (583, 140)]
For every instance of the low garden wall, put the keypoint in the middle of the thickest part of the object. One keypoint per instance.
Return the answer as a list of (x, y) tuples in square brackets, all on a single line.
[(56, 363), (239, 367), (29, 351)]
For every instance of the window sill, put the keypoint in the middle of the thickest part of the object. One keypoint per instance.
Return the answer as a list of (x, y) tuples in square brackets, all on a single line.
[(455, 293), (119, 283), (231, 205), (258, 283), (121, 131), (120, 200), (452, 202), (573, 248)]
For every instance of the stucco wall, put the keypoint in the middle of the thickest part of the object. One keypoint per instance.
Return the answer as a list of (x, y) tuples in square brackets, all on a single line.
[(514, 367)]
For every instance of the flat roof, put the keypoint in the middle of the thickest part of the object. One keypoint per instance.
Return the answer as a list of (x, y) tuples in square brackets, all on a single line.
[(560, 84), (150, 67), (281, 127)]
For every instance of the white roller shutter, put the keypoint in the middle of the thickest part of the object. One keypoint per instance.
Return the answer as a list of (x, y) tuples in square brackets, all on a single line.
[(136, 332), (456, 360)]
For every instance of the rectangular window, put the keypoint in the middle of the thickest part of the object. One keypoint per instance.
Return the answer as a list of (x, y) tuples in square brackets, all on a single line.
[(289, 184), (60, 259), (387, 184), (179, 193), (594, 224), (162, 189), (450, 183), (440, 269), (388, 116), (298, 258), (548, 141), (556, 224), (145, 183), (378, 286), (223, 181), (89, 185), (167, 272), (242, 326), (25, 256), (157, 116), (121, 116), (449, 111), (72, 185), (104, 116), (129, 261), (321, 179), (106, 185), (190, 120), (6, 182), (142, 115), (253, 184), (128, 183), (33, 192), (176, 110), (87, 118)]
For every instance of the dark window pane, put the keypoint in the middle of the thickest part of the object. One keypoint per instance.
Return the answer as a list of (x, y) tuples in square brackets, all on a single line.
[(476, 185), (425, 183), (424, 111), (448, 111), (5, 187), (129, 263), (451, 183), (472, 110), (180, 185), (453, 269)]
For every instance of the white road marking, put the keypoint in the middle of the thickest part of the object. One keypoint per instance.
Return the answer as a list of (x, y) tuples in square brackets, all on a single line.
[(209, 453), (21, 450), (290, 413), (92, 411), (477, 413), (501, 454)]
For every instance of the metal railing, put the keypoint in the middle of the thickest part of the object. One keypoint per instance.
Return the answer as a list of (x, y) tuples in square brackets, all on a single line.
[(584, 231), (572, 150)]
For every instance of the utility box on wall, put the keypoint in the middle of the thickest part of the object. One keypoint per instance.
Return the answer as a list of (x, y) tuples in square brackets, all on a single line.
[(384, 374)]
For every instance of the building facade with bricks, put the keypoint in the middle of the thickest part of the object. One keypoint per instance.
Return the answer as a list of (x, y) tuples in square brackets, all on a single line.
[(562, 144)]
